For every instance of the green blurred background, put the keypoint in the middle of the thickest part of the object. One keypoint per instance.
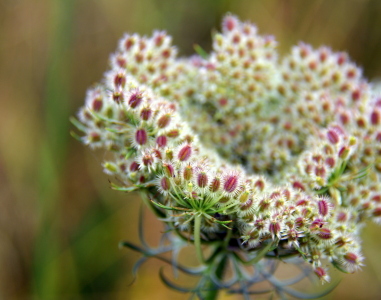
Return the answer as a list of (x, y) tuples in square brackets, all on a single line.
[(60, 223)]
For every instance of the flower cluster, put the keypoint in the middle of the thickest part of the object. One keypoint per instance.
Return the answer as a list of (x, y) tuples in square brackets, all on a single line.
[(282, 154)]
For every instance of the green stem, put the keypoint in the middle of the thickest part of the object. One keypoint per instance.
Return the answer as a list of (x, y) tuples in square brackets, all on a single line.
[(212, 290), (197, 238)]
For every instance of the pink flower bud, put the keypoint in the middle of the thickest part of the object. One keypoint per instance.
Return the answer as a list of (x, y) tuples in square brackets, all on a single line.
[(168, 169), (97, 104), (229, 23), (164, 121), (344, 152), (185, 153), (246, 205), (377, 212), (298, 186), (321, 273), (330, 162), (173, 133), (147, 160), (356, 95), (161, 141), (332, 136), (130, 41), (141, 137), (324, 207), (231, 183), (134, 166), (145, 113), (120, 80), (118, 97), (320, 171), (202, 179), (188, 172), (135, 99), (260, 184), (375, 117), (94, 137), (342, 217), (215, 185), (274, 228), (324, 233), (165, 184)]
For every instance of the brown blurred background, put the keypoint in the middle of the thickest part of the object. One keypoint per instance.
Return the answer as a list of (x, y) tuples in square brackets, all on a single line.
[(60, 223)]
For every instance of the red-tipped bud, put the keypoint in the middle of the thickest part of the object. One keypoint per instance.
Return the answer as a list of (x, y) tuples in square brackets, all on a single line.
[(97, 104), (130, 41), (166, 53), (141, 137), (159, 39), (352, 261), (324, 207), (264, 204), (146, 113), (356, 94), (317, 223), (344, 152), (202, 179), (274, 228), (168, 170), (330, 161), (286, 194), (332, 136), (94, 137), (322, 274), (121, 61), (215, 185), (120, 80), (161, 141), (157, 153), (298, 186), (302, 202), (118, 97), (342, 58), (164, 121), (188, 172), (229, 23), (135, 99), (260, 184), (185, 153), (247, 205), (377, 212), (147, 160), (231, 183), (320, 171), (342, 217), (375, 117), (300, 222), (165, 184), (173, 133), (324, 233), (134, 166)]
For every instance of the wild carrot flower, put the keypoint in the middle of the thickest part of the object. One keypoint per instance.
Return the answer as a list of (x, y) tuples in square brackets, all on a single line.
[(258, 156)]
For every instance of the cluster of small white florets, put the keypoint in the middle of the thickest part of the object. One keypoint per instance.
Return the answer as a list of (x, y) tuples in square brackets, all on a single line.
[(284, 151)]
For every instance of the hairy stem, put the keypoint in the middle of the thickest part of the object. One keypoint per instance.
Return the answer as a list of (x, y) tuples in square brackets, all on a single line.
[(197, 238)]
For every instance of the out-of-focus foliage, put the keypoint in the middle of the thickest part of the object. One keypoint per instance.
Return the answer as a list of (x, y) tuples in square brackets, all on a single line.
[(60, 224)]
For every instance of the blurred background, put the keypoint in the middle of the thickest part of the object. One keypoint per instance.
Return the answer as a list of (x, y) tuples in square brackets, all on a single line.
[(60, 223)]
